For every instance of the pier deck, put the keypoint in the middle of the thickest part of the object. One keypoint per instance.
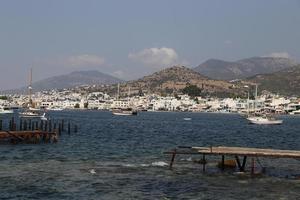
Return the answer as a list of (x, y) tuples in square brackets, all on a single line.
[(233, 151), (242, 151), (28, 136)]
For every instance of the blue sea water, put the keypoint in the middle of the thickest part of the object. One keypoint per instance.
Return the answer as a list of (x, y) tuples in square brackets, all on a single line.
[(121, 157)]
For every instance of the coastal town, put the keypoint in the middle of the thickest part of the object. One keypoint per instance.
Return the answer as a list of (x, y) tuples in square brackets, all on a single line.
[(80, 100)]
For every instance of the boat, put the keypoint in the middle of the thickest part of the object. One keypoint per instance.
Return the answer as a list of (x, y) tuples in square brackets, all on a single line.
[(30, 111), (6, 111), (30, 114), (55, 109), (260, 118), (295, 112), (124, 111), (264, 120)]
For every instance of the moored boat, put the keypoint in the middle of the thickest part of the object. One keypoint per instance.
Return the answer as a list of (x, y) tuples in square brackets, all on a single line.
[(124, 111), (264, 120)]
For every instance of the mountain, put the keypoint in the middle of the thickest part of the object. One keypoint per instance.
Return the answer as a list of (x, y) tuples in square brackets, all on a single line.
[(174, 79), (224, 70), (73, 79), (285, 82)]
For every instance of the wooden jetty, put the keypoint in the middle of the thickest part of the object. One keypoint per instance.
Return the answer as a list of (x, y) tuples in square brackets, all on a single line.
[(33, 131), (237, 152), (33, 137)]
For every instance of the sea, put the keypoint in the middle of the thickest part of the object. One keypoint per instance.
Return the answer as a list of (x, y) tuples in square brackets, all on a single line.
[(122, 157)]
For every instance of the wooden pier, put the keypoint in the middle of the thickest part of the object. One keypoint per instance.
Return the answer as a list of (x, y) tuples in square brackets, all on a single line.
[(33, 137), (237, 152), (33, 131)]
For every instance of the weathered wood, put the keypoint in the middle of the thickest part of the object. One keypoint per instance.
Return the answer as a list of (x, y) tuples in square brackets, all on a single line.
[(242, 151), (28, 136)]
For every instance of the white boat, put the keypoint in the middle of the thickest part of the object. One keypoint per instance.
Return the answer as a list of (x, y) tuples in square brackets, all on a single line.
[(295, 112), (29, 114), (55, 109), (264, 120), (124, 112), (6, 111)]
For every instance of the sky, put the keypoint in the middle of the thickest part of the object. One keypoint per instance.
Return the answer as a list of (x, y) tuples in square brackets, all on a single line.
[(132, 38)]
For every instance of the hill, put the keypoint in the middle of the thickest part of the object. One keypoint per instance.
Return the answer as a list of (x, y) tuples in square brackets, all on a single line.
[(174, 80), (224, 70), (73, 79), (285, 82)]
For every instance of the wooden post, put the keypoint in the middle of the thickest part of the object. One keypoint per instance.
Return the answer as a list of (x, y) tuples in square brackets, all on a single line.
[(46, 125), (75, 128), (59, 129), (10, 125), (172, 159), (63, 125), (252, 166), (20, 125), (223, 162), (41, 125), (69, 128), (14, 128), (204, 163), (50, 126), (25, 125), (241, 166), (29, 124)]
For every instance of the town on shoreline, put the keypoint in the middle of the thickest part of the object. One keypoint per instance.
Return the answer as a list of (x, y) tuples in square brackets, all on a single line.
[(77, 99)]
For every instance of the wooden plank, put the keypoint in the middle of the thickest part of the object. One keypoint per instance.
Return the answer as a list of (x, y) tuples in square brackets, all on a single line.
[(242, 151)]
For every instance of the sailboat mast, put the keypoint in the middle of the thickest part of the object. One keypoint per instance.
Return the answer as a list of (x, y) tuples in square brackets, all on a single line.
[(255, 98), (30, 88), (118, 91)]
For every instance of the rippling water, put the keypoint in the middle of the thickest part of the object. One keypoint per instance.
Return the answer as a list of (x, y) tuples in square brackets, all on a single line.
[(119, 157)]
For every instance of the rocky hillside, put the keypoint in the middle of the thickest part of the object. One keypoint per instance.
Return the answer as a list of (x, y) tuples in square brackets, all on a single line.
[(173, 80), (224, 70), (285, 82)]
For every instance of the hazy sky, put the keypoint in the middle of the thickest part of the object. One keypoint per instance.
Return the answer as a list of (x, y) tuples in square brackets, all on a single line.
[(132, 38)]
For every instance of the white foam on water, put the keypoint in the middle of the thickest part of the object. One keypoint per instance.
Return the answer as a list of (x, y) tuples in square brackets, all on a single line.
[(159, 164), (187, 118), (92, 171), (128, 165), (145, 165)]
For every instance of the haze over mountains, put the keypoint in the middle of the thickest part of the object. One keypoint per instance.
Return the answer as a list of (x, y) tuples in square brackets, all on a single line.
[(73, 79), (224, 70)]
